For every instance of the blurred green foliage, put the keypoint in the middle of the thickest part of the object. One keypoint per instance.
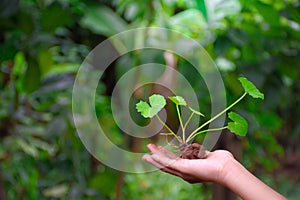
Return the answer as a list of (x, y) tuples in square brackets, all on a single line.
[(43, 42)]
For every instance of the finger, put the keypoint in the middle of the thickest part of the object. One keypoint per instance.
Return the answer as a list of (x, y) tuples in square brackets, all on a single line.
[(164, 159), (166, 152), (173, 172), (150, 160), (161, 151), (152, 147)]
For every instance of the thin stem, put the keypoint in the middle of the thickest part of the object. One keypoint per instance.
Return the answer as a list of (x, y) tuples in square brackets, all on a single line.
[(215, 117), (170, 144), (188, 121), (167, 127), (180, 121), (208, 130)]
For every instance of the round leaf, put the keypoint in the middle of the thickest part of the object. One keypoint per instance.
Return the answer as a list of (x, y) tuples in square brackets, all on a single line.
[(250, 88), (157, 102), (239, 126), (178, 100), (143, 108)]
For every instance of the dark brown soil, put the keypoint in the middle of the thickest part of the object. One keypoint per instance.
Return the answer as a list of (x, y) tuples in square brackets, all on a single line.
[(192, 151)]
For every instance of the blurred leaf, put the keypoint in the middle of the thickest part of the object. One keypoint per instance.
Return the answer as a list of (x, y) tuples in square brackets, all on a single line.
[(104, 181), (55, 16), (219, 9), (238, 36), (18, 72), (270, 120), (63, 68), (25, 22), (134, 10), (202, 7), (102, 20), (239, 126), (224, 64), (54, 84), (56, 127), (20, 65), (289, 71), (190, 22), (45, 61), (268, 12), (51, 149), (156, 186), (27, 148), (33, 76), (8, 49), (56, 191)]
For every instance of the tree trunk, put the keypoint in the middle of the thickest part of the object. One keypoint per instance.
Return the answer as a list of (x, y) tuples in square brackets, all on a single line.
[(119, 186), (2, 189)]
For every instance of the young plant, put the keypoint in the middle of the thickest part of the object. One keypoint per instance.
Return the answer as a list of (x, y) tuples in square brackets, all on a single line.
[(238, 125)]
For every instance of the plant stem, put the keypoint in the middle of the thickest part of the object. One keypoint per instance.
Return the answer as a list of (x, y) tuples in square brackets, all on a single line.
[(215, 117), (167, 127), (188, 121), (180, 121), (208, 130)]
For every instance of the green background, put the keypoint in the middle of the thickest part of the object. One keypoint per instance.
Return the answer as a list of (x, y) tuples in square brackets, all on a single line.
[(43, 43)]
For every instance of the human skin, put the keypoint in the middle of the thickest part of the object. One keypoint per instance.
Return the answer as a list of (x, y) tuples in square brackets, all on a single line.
[(219, 167)]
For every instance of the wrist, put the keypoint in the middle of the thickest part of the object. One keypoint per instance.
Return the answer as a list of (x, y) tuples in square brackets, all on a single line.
[(230, 171), (237, 178)]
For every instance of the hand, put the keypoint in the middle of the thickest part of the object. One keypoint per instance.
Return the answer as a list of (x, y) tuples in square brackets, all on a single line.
[(219, 167), (211, 169)]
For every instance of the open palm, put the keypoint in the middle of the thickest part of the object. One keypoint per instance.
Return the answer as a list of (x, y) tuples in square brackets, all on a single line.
[(210, 169)]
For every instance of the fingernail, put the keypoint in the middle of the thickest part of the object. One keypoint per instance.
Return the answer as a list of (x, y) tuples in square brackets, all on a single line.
[(150, 147)]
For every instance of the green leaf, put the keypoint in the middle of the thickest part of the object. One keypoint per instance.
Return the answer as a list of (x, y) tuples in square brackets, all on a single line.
[(56, 191), (250, 88), (196, 112), (26, 22), (143, 108), (55, 16), (28, 148), (218, 10), (157, 102), (45, 60), (202, 7), (102, 20), (178, 100), (190, 22), (239, 126), (19, 70), (63, 68), (20, 65), (33, 76), (269, 13)]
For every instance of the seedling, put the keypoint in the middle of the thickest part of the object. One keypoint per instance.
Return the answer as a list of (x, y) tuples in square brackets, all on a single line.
[(238, 125)]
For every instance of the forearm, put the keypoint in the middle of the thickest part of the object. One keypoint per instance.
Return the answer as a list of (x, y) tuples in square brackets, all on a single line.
[(246, 185)]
